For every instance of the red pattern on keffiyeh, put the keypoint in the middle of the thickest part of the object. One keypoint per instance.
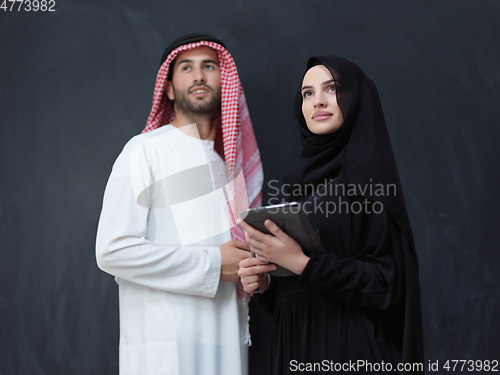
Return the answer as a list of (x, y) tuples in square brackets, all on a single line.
[(240, 146)]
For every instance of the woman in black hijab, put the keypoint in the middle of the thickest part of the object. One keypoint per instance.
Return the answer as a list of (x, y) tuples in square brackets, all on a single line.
[(358, 304)]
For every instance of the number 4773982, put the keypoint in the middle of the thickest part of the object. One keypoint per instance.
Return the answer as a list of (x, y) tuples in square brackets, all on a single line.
[(29, 5)]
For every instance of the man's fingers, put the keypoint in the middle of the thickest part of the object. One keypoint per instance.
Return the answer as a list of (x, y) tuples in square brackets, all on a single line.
[(232, 278), (242, 254), (241, 245)]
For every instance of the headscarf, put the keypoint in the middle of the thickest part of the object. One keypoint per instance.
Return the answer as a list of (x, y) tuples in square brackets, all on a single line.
[(239, 145), (360, 152)]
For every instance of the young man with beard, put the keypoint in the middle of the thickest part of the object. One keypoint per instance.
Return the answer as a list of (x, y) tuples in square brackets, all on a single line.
[(167, 230)]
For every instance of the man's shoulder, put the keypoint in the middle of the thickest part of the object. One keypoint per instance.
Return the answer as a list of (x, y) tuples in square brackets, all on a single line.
[(133, 148), (143, 138)]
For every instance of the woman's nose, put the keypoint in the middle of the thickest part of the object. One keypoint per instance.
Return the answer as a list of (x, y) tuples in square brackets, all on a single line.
[(319, 101)]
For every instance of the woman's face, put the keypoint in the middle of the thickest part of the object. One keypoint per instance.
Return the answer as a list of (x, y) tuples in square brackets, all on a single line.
[(319, 101)]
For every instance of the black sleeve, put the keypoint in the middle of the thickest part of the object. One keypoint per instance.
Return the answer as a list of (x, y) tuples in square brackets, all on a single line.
[(367, 275), (266, 300)]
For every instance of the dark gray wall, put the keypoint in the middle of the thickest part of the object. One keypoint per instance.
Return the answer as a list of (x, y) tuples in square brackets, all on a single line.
[(77, 83)]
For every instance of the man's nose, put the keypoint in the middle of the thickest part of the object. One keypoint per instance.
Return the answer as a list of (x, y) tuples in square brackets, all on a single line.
[(199, 75)]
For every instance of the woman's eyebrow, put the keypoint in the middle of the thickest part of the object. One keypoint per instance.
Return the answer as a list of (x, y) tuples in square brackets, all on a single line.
[(324, 83), (328, 82)]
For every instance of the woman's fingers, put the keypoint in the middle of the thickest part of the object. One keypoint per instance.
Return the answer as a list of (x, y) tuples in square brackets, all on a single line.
[(262, 258), (249, 270), (253, 233), (255, 244), (254, 284), (253, 274), (252, 279), (251, 288), (275, 230), (250, 262)]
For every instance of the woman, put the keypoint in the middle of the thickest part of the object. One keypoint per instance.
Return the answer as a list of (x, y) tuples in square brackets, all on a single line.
[(359, 302)]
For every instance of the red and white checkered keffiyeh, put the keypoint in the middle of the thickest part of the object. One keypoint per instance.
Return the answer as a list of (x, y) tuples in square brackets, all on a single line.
[(241, 153)]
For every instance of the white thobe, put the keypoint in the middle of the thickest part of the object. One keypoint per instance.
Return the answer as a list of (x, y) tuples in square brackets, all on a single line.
[(163, 219)]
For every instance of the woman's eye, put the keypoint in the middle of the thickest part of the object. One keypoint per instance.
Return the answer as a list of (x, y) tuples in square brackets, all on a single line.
[(331, 88), (306, 94)]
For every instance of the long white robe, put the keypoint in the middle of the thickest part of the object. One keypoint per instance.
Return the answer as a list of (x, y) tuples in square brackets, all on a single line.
[(159, 234)]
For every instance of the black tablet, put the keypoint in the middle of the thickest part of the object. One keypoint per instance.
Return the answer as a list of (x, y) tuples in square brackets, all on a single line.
[(292, 220)]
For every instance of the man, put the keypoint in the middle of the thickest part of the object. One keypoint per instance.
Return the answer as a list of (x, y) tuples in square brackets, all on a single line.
[(167, 230)]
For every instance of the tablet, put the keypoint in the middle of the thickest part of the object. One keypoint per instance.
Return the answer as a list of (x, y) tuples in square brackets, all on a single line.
[(292, 220)]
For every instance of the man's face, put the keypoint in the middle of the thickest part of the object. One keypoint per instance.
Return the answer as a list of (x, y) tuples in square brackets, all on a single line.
[(196, 83)]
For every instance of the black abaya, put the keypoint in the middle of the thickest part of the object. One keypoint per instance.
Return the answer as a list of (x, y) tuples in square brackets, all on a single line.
[(360, 301), (351, 303)]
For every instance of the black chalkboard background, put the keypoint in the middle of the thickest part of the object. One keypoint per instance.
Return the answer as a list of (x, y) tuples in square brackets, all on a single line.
[(77, 83)]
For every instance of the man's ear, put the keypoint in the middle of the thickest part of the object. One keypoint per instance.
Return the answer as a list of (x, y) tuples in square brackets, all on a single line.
[(169, 90)]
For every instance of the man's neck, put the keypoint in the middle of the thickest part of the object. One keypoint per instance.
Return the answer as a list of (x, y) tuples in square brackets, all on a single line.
[(206, 124)]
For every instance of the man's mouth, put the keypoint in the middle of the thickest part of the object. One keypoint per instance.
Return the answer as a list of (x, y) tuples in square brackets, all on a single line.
[(197, 90)]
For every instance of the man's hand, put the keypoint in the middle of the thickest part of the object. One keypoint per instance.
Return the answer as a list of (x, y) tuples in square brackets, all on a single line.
[(232, 253), (254, 275)]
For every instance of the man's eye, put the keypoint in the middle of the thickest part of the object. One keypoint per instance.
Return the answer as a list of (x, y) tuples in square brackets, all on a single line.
[(186, 68), (209, 67)]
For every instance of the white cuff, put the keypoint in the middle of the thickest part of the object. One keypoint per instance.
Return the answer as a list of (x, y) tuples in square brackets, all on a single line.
[(213, 275)]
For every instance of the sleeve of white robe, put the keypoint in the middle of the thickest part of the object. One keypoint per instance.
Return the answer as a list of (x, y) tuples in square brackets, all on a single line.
[(123, 251)]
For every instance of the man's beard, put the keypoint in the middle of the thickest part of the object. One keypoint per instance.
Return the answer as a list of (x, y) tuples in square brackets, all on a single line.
[(199, 107)]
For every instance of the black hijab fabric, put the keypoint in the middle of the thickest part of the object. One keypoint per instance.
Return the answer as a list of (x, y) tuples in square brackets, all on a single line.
[(360, 300), (360, 150), (322, 155)]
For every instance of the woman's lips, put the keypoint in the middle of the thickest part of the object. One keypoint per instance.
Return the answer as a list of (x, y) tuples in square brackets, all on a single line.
[(322, 115)]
